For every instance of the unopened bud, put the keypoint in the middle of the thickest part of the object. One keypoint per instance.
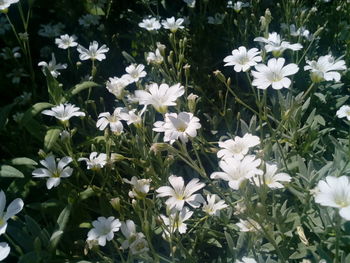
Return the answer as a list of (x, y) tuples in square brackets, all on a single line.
[(220, 76), (115, 202)]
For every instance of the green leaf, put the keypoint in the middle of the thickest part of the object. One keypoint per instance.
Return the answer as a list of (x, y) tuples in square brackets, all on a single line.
[(23, 161), (9, 171), (78, 88), (51, 137), (229, 242), (33, 111), (128, 57), (62, 223), (32, 226), (53, 87)]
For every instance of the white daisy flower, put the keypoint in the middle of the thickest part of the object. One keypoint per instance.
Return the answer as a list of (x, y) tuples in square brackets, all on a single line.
[(179, 194), (274, 74), (154, 57), (104, 229), (66, 41), (135, 118), (89, 20), (134, 240), (302, 31), (12, 209), (178, 127), (4, 247), (236, 171), (51, 30), (135, 72), (93, 53), (190, 3), (335, 192), (139, 246), (325, 68), (242, 59), (238, 147), (113, 120), (217, 19), (213, 205), (246, 260), (270, 178), (344, 111), (160, 97), (140, 187), (276, 45), (239, 5), (95, 161), (150, 24), (116, 86), (248, 225), (52, 66), (64, 112), (54, 171), (172, 24), (4, 4), (175, 222)]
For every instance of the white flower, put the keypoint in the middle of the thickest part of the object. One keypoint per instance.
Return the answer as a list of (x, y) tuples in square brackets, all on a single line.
[(4, 250), (89, 20), (93, 52), (133, 118), (175, 222), (50, 30), (64, 112), (243, 60), (104, 229), (172, 24), (218, 19), (52, 66), (154, 57), (113, 120), (238, 147), (160, 97), (275, 44), (335, 192), (302, 31), (134, 240), (150, 24), (235, 171), (179, 194), (128, 229), (96, 161), (66, 41), (273, 74), (135, 72), (344, 111), (246, 260), (4, 4), (248, 225), (54, 171), (239, 5), (213, 205), (140, 187), (139, 246), (271, 179), (116, 86), (325, 68), (13, 208), (190, 3), (178, 126)]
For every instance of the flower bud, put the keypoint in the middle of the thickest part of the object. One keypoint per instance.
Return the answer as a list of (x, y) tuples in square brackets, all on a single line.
[(115, 202), (192, 102)]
